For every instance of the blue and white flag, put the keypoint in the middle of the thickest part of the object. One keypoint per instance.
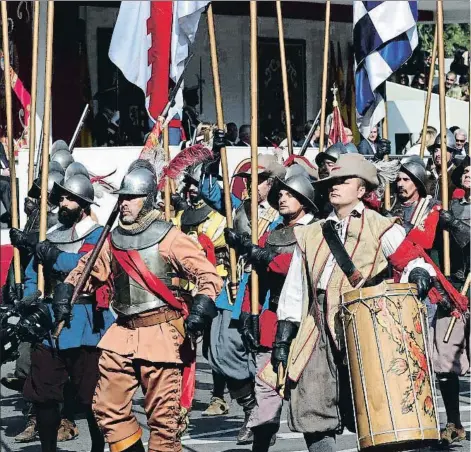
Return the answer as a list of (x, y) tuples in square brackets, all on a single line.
[(384, 37)]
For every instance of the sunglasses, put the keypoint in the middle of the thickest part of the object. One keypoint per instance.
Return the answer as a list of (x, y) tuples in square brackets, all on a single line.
[(460, 141)]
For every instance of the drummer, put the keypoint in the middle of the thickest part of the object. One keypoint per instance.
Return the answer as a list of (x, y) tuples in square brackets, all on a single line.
[(349, 249)]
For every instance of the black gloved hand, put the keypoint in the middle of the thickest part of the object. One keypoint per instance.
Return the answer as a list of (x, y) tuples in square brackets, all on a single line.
[(202, 313), (219, 141), (285, 333), (260, 257), (446, 219), (22, 239), (421, 278), (250, 331), (47, 253), (61, 306), (31, 205), (383, 148), (445, 303), (242, 243), (178, 202), (27, 301)]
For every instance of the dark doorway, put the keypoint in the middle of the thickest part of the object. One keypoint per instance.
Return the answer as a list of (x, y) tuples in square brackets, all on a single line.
[(270, 87)]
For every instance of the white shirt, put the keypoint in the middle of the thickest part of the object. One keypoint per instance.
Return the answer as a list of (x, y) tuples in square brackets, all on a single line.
[(291, 297)]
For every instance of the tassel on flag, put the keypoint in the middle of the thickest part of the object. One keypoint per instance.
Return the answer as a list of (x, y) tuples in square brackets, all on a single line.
[(337, 129)]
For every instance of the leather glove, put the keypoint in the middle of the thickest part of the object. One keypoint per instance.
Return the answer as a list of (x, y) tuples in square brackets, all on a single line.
[(242, 243), (202, 313), (260, 257), (421, 278), (47, 253), (22, 239), (26, 302), (445, 302), (250, 331), (178, 202), (219, 141), (61, 306), (383, 148), (459, 229), (285, 333), (30, 206)]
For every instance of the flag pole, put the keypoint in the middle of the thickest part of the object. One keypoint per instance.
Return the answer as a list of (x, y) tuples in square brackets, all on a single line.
[(444, 165), (11, 150), (167, 180), (254, 147), (46, 135), (429, 95), (387, 187), (324, 74), (284, 77), (34, 86), (224, 164)]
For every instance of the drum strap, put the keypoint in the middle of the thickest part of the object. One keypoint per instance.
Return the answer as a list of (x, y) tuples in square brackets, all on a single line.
[(337, 248)]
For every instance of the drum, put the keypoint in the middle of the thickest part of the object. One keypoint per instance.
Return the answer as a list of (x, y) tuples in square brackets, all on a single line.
[(390, 369)]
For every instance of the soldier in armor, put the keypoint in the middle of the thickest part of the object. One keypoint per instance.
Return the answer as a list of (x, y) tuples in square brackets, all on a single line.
[(294, 199), (146, 346), (75, 355), (451, 359), (26, 241), (206, 227), (227, 355), (433, 183), (316, 374)]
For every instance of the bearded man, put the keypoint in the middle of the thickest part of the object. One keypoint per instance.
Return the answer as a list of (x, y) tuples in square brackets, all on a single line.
[(148, 345), (308, 309), (293, 197), (227, 355), (76, 356)]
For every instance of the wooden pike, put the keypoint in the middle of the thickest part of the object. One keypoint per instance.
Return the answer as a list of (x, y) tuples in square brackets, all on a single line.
[(46, 135), (429, 95), (254, 147), (443, 129), (11, 150), (34, 89), (324, 75), (224, 164), (284, 76)]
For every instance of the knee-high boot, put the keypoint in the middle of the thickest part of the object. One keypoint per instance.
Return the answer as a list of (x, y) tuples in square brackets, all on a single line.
[(48, 421), (96, 435)]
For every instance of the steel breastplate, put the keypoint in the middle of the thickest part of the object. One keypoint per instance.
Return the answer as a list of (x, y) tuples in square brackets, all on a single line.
[(67, 239), (241, 218), (194, 217), (153, 235), (130, 297)]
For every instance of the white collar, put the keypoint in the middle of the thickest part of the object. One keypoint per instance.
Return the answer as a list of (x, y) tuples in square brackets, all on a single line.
[(306, 219), (359, 208), (83, 226)]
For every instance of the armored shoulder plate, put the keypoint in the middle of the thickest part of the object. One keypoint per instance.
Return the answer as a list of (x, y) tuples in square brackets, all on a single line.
[(194, 217), (155, 233), (461, 211), (282, 237), (64, 235)]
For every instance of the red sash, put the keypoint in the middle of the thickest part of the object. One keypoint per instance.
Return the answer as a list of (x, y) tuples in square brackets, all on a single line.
[(104, 293), (134, 266)]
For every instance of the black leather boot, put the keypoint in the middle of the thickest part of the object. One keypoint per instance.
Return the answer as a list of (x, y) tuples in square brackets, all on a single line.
[(247, 402), (96, 435), (48, 420), (264, 437)]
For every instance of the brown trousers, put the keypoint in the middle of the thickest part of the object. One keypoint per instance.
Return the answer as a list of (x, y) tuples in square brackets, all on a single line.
[(161, 384)]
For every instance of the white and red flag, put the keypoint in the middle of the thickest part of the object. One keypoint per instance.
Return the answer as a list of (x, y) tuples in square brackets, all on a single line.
[(150, 44)]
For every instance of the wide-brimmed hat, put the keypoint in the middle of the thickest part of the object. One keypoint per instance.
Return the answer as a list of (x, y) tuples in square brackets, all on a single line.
[(459, 170), (267, 165), (352, 165)]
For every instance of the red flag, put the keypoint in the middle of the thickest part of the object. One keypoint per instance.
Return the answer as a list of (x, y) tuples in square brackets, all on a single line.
[(337, 130)]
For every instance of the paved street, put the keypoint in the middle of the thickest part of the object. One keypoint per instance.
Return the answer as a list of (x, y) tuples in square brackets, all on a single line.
[(205, 435)]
